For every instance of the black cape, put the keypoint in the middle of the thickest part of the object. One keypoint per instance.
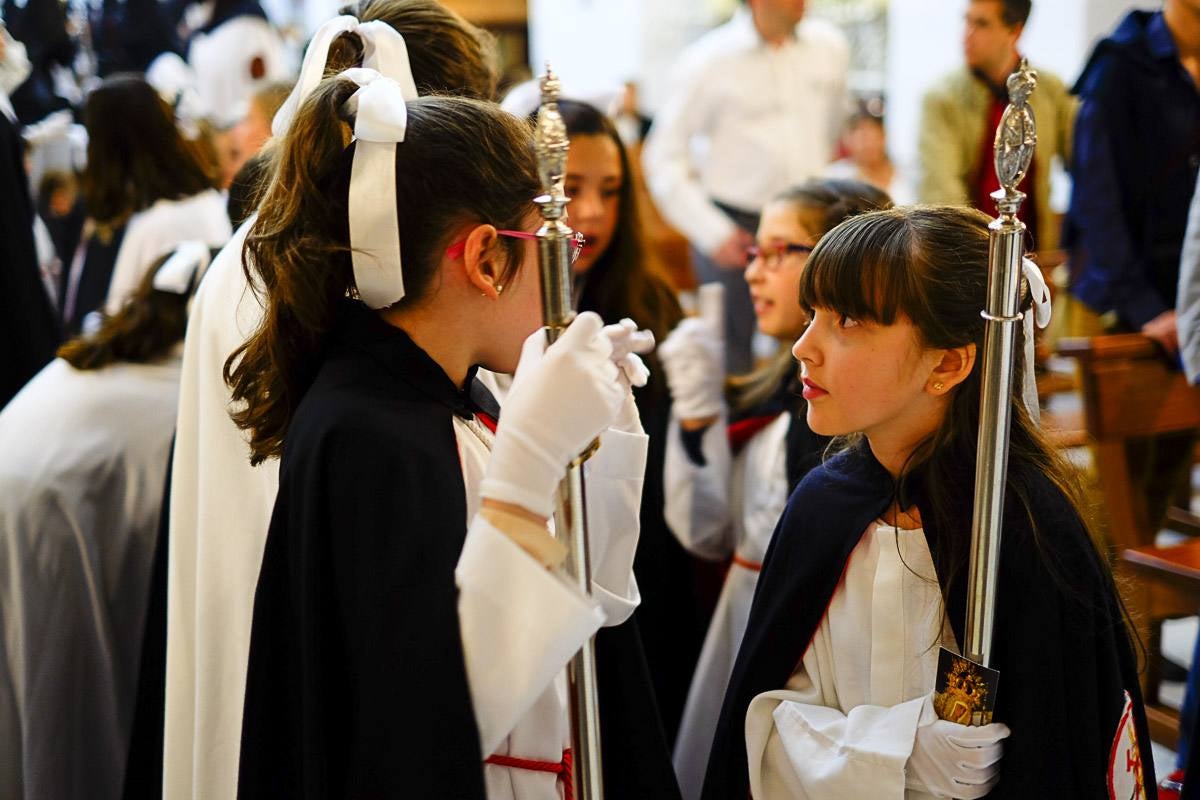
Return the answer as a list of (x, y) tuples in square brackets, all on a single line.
[(27, 324), (673, 614), (356, 684), (1065, 659)]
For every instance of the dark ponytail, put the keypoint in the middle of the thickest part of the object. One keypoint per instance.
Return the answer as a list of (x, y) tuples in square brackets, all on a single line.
[(462, 160)]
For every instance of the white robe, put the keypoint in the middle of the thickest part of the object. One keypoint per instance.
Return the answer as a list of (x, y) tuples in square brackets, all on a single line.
[(220, 509), (83, 457), (158, 230), (729, 506), (844, 726), (521, 624), (220, 512)]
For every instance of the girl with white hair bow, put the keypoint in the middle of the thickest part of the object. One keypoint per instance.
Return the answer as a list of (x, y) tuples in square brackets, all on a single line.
[(412, 623)]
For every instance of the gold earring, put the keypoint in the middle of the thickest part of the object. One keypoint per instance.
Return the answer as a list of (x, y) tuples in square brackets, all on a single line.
[(937, 387)]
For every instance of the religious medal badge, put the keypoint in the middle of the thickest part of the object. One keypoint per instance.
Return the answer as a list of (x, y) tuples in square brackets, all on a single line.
[(966, 691)]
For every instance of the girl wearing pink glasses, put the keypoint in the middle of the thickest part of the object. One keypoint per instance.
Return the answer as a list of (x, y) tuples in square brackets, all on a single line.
[(739, 445), (411, 622)]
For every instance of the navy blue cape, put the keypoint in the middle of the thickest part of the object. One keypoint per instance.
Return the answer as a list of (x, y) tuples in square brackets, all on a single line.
[(1065, 659)]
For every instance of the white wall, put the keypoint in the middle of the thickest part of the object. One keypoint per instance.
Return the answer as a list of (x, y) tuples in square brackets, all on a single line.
[(596, 45)]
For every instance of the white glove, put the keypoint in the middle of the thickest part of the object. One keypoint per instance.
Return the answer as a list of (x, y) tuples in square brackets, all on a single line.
[(952, 760), (562, 397), (627, 342), (694, 359)]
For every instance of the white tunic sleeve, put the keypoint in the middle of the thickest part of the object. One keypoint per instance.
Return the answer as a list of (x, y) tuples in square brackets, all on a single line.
[(613, 482), (844, 726), (697, 507), (798, 747), (520, 625)]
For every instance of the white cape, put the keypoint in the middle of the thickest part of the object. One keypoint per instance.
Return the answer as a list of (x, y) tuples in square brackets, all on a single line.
[(220, 510), (83, 457), (158, 230)]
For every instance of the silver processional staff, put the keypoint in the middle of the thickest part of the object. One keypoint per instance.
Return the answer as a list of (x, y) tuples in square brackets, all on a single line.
[(966, 685), (555, 239)]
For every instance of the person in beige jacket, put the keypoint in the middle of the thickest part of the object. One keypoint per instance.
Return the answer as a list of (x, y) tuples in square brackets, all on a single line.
[(959, 115)]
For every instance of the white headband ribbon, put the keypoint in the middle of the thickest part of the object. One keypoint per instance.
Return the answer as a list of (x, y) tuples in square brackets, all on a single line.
[(1039, 314), (380, 119), (181, 273), (383, 50)]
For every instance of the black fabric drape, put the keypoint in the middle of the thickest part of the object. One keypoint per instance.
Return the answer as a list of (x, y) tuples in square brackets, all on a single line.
[(27, 322)]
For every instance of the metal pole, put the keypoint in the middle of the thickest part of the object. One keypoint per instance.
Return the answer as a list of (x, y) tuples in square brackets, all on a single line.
[(1015, 141), (570, 519), (966, 684)]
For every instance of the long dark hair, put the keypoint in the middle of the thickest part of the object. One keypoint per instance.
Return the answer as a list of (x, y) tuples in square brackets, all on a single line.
[(145, 329), (626, 280), (930, 264), (136, 154), (821, 204), (461, 160)]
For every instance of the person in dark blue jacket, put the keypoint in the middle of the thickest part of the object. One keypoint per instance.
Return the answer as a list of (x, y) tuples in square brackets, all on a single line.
[(1136, 153)]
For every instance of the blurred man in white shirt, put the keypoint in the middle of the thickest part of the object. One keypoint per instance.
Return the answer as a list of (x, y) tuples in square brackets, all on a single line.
[(755, 107)]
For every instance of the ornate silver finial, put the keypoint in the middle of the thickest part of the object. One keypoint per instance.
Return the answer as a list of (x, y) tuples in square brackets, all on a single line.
[(550, 138), (1016, 136)]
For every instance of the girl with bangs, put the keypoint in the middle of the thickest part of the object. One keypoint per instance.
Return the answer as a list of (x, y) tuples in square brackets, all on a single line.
[(865, 577), (727, 484)]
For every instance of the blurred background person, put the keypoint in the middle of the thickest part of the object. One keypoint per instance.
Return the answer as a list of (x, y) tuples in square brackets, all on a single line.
[(27, 326), (754, 106), (248, 135), (1137, 149), (234, 50), (141, 201), (83, 458), (617, 277), (41, 28), (960, 113), (867, 159)]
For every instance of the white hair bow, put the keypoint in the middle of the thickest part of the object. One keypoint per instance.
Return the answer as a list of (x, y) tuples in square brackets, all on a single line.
[(384, 50), (380, 119), (1039, 314), (181, 273)]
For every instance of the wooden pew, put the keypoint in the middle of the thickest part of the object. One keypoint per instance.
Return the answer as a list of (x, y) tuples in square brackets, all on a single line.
[(1130, 392)]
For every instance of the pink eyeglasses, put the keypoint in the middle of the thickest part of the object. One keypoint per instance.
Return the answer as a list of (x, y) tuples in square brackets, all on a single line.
[(577, 241)]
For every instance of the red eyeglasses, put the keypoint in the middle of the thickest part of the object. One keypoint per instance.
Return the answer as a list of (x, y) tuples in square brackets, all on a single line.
[(577, 241)]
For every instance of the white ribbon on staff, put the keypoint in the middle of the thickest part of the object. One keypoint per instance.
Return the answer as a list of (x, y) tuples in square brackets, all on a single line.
[(384, 50), (180, 273), (380, 119), (1039, 314)]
